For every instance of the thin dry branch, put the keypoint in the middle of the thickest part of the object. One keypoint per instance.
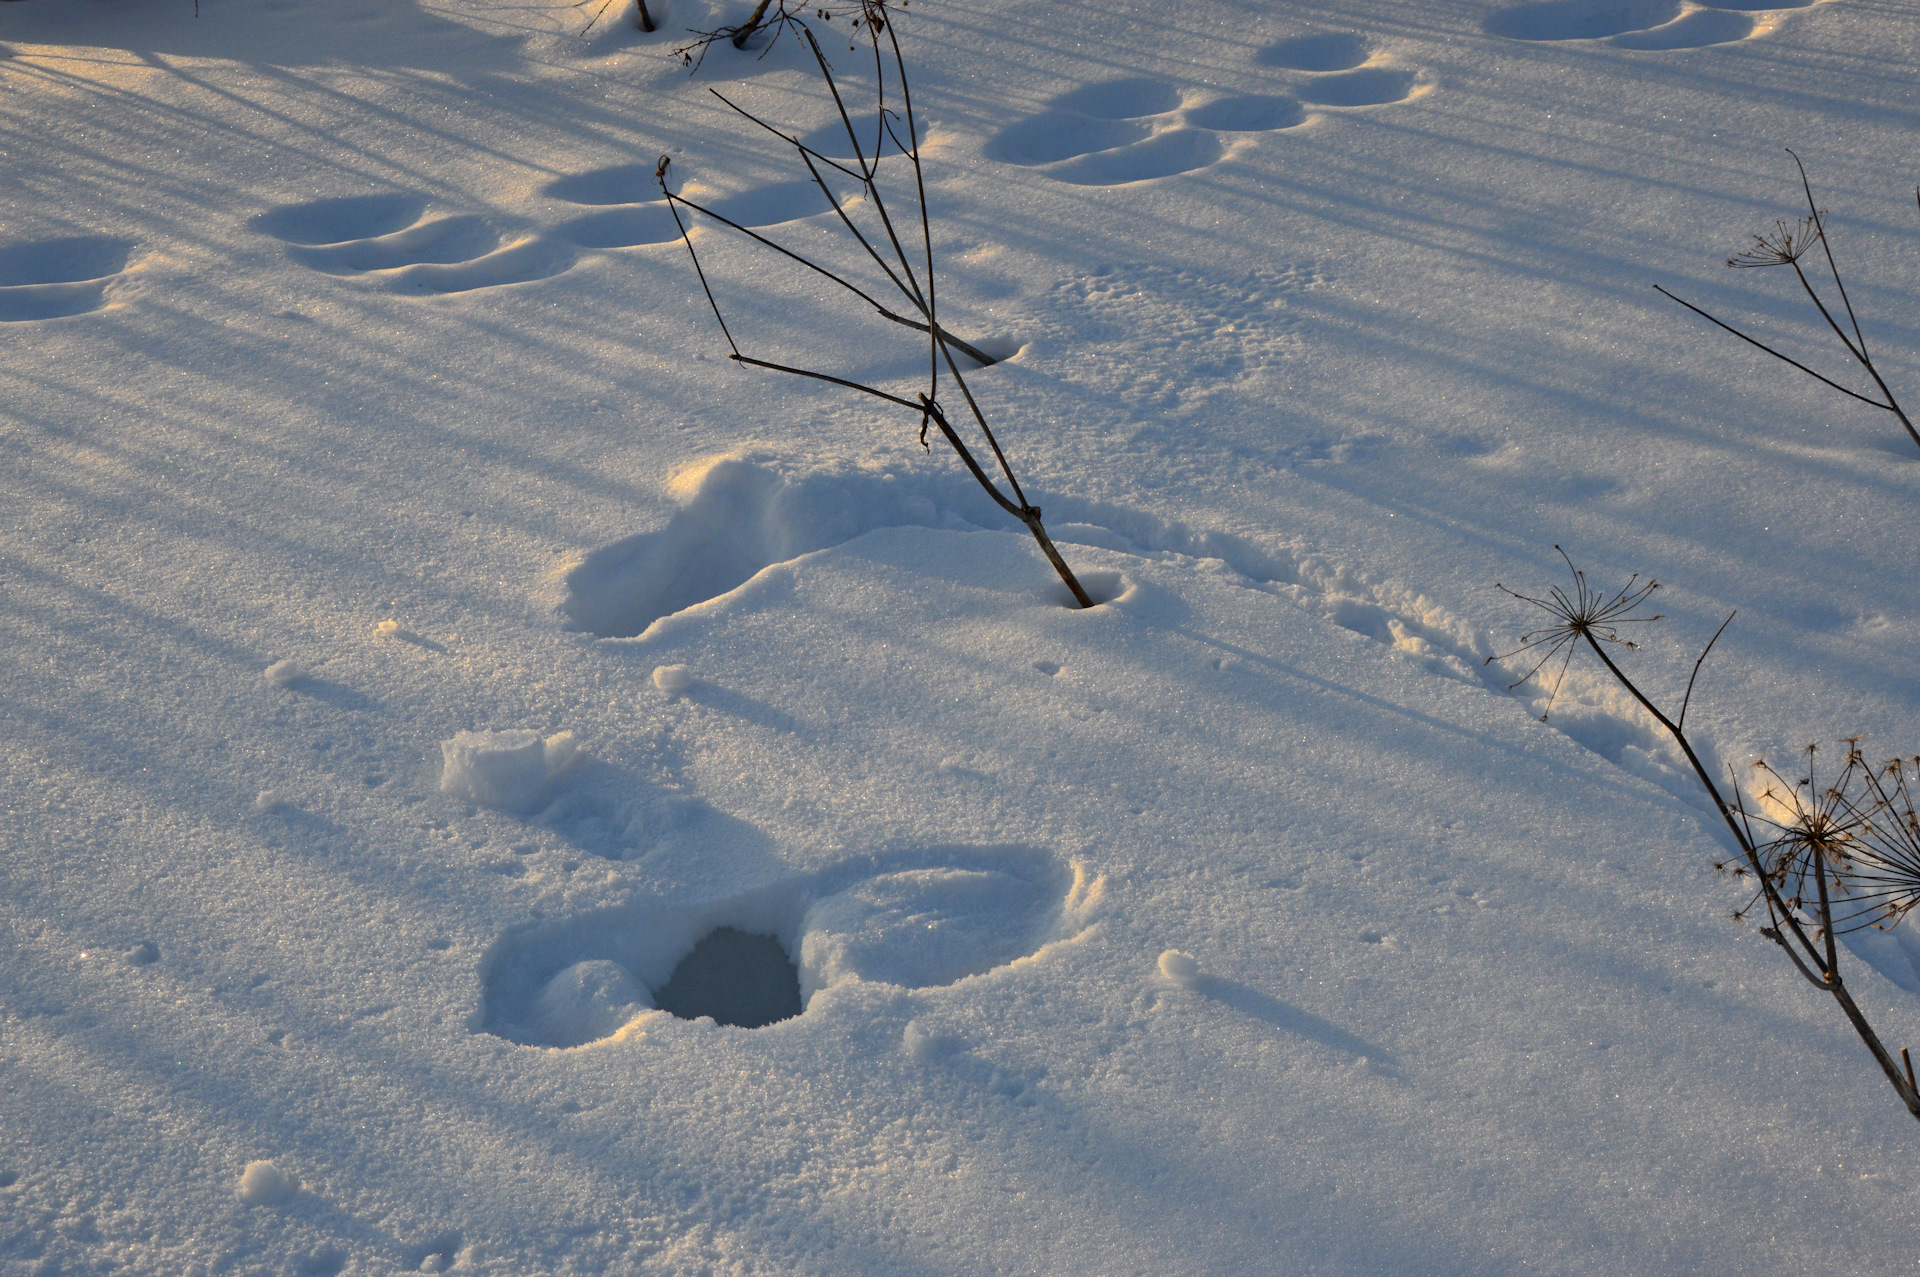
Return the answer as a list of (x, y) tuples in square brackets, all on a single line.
[(789, 17)]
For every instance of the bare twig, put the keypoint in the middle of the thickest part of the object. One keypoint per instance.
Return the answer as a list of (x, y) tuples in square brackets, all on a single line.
[(751, 25), (1814, 859), (787, 16), (1785, 245), (906, 266), (641, 18)]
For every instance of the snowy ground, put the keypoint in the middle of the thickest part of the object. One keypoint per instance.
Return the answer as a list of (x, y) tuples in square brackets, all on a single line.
[(356, 405)]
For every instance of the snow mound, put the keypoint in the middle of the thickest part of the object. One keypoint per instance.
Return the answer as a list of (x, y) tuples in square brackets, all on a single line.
[(1181, 968), (283, 673), (587, 1001), (674, 680), (264, 1184), (509, 771), (925, 927)]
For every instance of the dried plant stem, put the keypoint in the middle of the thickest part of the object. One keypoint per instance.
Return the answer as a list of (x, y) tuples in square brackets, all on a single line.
[(1785, 246), (1818, 959), (886, 250), (643, 18), (751, 25)]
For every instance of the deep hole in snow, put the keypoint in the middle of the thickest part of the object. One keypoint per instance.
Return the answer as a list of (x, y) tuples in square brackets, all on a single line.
[(737, 978)]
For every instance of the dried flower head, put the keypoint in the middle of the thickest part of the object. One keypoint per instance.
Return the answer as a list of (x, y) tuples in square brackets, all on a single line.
[(1883, 874), (1784, 245), (1582, 614), (1860, 829), (1814, 836)]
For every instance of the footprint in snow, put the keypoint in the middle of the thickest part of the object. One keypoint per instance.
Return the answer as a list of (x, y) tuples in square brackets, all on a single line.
[(390, 240), (1341, 69), (1642, 24), (1326, 51), (1132, 130), (55, 278), (912, 920), (747, 510), (630, 213)]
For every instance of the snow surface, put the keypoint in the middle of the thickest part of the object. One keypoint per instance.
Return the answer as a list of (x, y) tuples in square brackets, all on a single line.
[(366, 433)]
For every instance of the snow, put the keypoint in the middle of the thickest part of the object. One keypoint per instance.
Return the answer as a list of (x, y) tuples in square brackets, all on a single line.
[(264, 1184), (445, 700), (284, 673), (1181, 968), (510, 770)]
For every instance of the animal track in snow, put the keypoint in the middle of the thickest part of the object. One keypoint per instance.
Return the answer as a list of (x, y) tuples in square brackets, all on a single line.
[(631, 214), (1640, 24), (914, 920), (1327, 51), (1122, 131), (1131, 130), (749, 509), (388, 239), (55, 278), (1366, 86), (631, 211), (740, 513), (1341, 70)]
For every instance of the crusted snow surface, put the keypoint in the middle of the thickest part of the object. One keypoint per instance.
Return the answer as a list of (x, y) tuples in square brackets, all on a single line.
[(445, 700)]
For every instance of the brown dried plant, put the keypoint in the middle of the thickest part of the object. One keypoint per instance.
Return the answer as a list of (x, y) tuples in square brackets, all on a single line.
[(1581, 614), (901, 253), (1830, 857), (1787, 244)]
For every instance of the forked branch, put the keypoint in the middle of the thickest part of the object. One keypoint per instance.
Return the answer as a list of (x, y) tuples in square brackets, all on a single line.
[(903, 257), (1787, 244)]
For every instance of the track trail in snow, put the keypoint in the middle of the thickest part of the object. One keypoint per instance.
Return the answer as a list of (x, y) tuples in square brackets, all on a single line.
[(750, 509), (388, 239), (1132, 130), (1654, 25)]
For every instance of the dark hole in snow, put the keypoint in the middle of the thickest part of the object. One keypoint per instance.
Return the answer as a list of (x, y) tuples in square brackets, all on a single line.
[(436, 1256), (735, 977)]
